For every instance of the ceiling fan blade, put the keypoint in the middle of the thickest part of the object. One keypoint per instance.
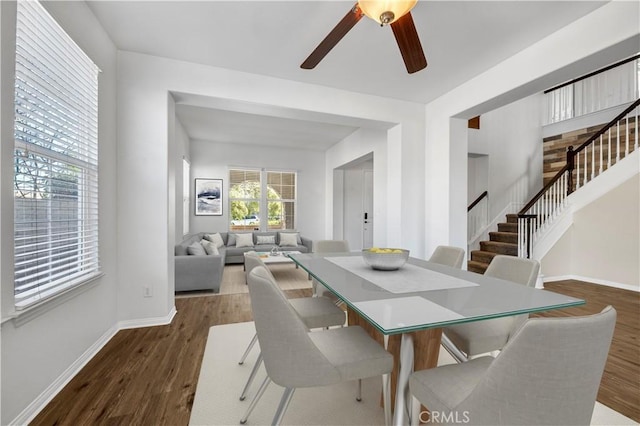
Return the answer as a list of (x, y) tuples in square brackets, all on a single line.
[(336, 34), (409, 43)]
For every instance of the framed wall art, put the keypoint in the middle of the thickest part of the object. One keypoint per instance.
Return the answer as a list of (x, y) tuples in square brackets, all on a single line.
[(208, 197)]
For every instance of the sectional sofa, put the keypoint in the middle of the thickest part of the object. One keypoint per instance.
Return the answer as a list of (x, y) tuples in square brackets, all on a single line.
[(198, 266)]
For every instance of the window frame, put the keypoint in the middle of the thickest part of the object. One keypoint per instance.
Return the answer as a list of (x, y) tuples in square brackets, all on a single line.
[(55, 161), (263, 200)]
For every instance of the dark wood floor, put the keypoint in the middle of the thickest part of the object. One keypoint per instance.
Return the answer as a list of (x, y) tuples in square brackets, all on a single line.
[(620, 385), (148, 376)]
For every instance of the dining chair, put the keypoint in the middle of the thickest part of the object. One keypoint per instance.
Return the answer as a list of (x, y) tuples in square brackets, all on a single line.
[(315, 312), (295, 357), (327, 246), (448, 255), (547, 374), (466, 340)]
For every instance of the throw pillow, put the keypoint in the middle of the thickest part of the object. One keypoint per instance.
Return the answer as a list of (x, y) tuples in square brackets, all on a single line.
[(196, 249), (288, 239), (231, 239), (266, 239), (297, 234), (244, 240), (210, 247), (215, 239)]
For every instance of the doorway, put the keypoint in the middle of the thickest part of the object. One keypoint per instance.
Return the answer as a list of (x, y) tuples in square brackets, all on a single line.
[(357, 203)]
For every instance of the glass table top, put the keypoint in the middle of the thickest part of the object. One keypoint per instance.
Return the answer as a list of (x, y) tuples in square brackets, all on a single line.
[(423, 295)]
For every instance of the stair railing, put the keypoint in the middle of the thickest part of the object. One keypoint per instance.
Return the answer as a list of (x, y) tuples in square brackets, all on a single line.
[(586, 163), (477, 214)]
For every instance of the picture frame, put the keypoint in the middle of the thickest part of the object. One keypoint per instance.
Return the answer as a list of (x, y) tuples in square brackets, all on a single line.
[(208, 199)]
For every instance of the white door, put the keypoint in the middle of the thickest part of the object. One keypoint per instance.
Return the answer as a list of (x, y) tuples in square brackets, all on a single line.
[(367, 208)]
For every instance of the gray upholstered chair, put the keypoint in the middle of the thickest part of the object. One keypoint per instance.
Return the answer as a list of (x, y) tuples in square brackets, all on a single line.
[(466, 340), (327, 246), (448, 255), (294, 357), (315, 312), (548, 374)]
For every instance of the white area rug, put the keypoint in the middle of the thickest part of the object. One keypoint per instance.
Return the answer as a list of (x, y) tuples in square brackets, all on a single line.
[(222, 379)]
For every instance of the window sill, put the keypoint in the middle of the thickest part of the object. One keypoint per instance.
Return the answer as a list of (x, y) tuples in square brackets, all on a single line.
[(28, 313)]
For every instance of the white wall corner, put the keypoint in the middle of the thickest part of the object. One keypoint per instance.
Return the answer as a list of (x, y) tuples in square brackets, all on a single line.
[(148, 322)]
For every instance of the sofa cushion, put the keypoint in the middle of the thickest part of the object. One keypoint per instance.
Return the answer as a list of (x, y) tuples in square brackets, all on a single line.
[(244, 240), (265, 239), (196, 249), (289, 239), (296, 233), (215, 239), (210, 247)]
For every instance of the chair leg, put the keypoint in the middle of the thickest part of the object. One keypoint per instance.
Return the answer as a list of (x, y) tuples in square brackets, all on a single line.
[(255, 399), (456, 353), (359, 394), (246, 352), (252, 376), (282, 407), (386, 398)]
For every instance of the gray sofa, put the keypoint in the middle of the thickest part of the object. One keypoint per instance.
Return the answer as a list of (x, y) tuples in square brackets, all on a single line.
[(204, 272)]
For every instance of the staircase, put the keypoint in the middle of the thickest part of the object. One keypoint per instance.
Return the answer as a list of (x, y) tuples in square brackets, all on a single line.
[(504, 241), (618, 139)]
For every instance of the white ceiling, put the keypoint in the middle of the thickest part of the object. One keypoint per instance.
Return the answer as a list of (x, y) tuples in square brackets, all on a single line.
[(461, 39)]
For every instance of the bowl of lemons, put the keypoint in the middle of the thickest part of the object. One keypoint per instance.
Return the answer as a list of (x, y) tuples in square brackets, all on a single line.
[(385, 259)]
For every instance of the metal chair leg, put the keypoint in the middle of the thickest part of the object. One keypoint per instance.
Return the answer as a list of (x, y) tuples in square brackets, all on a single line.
[(246, 352), (255, 399), (386, 398), (282, 407), (359, 394), (252, 376), (456, 353)]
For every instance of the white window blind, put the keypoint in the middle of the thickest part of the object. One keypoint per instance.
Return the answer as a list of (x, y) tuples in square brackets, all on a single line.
[(55, 160)]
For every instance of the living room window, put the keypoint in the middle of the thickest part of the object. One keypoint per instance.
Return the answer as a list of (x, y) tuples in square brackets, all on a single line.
[(55, 160), (252, 191)]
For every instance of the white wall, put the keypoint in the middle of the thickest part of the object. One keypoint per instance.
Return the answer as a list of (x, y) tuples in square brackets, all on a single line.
[(214, 159), (602, 245), (42, 348), (181, 147), (144, 146), (609, 33), (513, 137)]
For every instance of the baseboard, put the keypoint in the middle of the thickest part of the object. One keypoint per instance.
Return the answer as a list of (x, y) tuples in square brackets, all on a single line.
[(592, 280), (148, 322), (38, 404), (32, 410)]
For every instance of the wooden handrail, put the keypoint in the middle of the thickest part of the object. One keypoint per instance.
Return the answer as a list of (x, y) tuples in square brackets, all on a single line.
[(477, 200), (571, 153), (539, 195), (607, 126), (591, 74)]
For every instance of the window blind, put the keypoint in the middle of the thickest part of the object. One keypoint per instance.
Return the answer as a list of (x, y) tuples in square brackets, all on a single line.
[(55, 160)]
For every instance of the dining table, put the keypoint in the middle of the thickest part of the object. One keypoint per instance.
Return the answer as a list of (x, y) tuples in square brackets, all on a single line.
[(406, 309)]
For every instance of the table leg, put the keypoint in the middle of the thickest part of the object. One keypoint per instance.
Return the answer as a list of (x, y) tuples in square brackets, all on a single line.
[(426, 344), (401, 411)]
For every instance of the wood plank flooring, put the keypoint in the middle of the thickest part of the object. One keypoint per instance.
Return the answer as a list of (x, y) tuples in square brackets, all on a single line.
[(620, 385), (148, 376)]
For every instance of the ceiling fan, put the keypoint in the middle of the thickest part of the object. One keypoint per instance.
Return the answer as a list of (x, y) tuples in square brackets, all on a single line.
[(396, 13)]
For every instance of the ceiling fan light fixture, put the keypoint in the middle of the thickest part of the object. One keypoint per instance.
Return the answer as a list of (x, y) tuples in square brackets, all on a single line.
[(386, 12)]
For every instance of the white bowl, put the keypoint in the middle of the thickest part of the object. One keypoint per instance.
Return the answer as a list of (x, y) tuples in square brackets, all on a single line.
[(385, 261)]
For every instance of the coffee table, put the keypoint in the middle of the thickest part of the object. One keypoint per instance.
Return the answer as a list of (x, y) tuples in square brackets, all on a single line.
[(281, 257)]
